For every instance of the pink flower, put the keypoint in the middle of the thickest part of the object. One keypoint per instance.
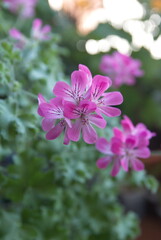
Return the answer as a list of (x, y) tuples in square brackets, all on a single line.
[(122, 69), (54, 121), (139, 131), (19, 37), (25, 7), (84, 119), (126, 147), (129, 152), (83, 102), (39, 32)]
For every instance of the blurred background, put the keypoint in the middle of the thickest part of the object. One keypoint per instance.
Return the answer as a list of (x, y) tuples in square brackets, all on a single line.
[(83, 31)]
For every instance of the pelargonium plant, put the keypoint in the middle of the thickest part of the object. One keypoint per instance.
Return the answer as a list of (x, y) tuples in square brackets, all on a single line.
[(77, 107), (122, 69), (38, 32), (26, 8), (125, 148)]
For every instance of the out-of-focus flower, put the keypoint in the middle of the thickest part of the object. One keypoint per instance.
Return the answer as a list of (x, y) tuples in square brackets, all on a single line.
[(40, 32), (20, 39), (125, 148), (26, 8), (37, 33), (80, 106), (122, 69)]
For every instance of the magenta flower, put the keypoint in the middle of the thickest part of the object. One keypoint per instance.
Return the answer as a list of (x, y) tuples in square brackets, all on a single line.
[(54, 121), (21, 40), (84, 119), (26, 8), (37, 33), (122, 69), (126, 147), (129, 152), (81, 106)]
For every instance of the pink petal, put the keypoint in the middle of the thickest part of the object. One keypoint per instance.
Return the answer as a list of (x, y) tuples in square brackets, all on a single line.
[(55, 132), (75, 130), (57, 102), (62, 89), (66, 138), (16, 34), (41, 100), (112, 98), (110, 111), (127, 124), (99, 85), (125, 163), (71, 110), (137, 165), (118, 133), (89, 134), (97, 120), (37, 23), (51, 111), (87, 106), (116, 167), (47, 124), (131, 142), (116, 146), (88, 73), (143, 152), (103, 162), (103, 146), (78, 82)]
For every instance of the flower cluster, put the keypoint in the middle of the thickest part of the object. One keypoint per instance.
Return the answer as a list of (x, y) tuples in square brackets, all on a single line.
[(122, 69), (38, 32), (79, 106), (25, 7), (125, 147)]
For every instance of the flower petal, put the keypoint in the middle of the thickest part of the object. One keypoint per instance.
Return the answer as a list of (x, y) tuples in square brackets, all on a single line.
[(71, 110), (97, 120), (79, 82), (116, 167), (47, 124), (62, 89), (103, 162), (75, 130), (51, 111), (88, 73), (118, 133), (99, 85), (143, 152), (125, 163), (127, 124), (89, 134), (112, 98), (110, 111), (103, 146), (131, 142), (55, 132), (116, 146), (137, 165)]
